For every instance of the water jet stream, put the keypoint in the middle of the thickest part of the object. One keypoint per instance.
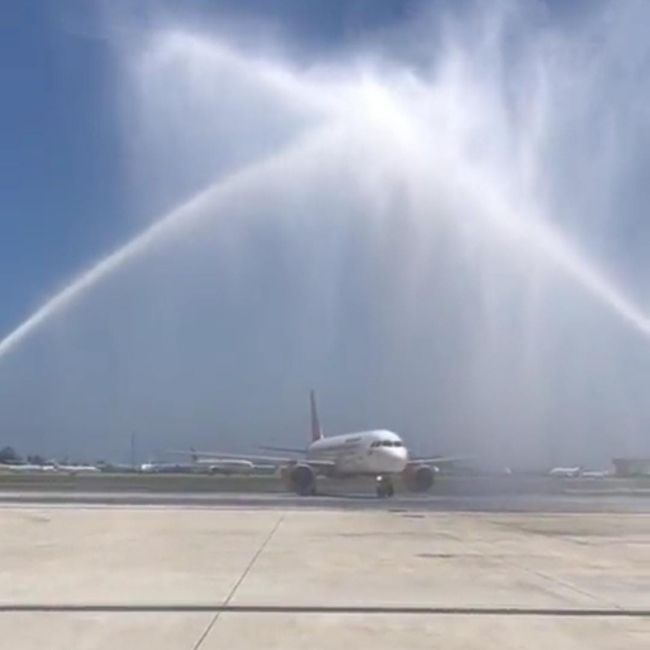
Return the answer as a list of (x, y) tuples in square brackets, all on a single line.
[(352, 113), (189, 212), (537, 234)]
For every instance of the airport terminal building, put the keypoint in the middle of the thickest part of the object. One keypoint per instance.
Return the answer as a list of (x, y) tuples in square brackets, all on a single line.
[(626, 467)]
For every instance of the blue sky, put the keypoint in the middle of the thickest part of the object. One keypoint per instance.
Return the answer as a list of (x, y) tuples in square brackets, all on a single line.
[(61, 187), (425, 331)]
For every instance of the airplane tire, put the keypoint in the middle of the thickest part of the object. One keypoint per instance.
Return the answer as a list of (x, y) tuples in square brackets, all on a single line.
[(385, 488)]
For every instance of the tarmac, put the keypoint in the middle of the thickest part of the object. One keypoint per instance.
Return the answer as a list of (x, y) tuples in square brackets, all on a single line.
[(353, 501), (276, 571)]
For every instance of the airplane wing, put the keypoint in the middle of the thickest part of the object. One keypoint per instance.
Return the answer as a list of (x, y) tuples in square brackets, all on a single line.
[(276, 460), (436, 460), (216, 456), (286, 450)]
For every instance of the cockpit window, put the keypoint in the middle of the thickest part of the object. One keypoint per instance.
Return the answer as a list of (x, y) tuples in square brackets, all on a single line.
[(376, 443), (387, 443), (398, 443)]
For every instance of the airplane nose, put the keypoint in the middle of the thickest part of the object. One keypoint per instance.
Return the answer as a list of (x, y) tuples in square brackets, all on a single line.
[(394, 459), (402, 458)]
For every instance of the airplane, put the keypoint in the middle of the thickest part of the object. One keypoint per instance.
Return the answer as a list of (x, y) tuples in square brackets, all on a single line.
[(595, 473), (377, 453), (565, 472), (29, 467), (153, 467), (199, 466), (73, 470), (53, 466), (217, 465)]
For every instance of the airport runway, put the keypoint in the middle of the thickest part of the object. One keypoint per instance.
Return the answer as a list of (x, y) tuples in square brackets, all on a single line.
[(528, 503), (281, 572), (200, 571)]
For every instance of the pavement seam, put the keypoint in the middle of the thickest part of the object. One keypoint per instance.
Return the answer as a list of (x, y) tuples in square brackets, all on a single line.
[(430, 610), (570, 586), (246, 571), (555, 580)]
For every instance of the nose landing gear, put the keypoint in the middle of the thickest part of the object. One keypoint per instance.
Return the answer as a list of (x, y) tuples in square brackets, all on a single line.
[(385, 487)]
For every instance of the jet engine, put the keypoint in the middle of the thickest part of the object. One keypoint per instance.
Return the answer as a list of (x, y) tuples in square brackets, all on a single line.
[(418, 478), (300, 478)]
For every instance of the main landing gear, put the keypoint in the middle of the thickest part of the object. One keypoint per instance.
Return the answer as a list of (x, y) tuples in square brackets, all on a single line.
[(385, 487)]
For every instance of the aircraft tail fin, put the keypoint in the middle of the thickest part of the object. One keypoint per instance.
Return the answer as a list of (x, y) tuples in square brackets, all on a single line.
[(316, 431)]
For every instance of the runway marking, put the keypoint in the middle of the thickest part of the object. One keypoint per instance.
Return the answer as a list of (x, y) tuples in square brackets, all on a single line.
[(246, 571), (324, 609)]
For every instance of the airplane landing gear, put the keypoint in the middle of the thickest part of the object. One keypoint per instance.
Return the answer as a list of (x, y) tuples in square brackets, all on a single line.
[(385, 487)]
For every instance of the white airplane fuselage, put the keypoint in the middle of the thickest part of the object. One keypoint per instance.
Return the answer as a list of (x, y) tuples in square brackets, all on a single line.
[(373, 453), (565, 472), (28, 467)]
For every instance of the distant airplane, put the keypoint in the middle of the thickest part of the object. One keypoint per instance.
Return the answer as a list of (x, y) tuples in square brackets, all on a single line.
[(595, 473), (205, 463), (166, 468), (29, 467), (53, 466), (222, 465), (200, 466), (565, 472), (378, 453), (75, 469)]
